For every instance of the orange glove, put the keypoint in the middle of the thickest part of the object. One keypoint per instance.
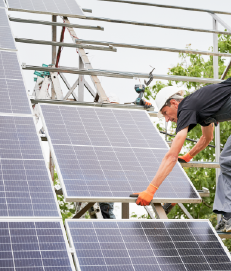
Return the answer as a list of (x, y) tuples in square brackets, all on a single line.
[(145, 197), (187, 157)]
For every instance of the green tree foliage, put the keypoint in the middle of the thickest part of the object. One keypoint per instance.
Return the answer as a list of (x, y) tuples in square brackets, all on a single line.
[(193, 65)]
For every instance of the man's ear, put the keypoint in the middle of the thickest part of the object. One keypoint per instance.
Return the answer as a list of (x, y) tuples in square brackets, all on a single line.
[(174, 103)]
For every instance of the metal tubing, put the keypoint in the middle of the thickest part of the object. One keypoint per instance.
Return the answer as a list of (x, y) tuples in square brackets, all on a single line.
[(63, 44), (83, 211), (87, 10), (217, 128), (81, 82), (197, 164), (125, 210), (226, 71), (218, 19), (167, 6), (152, 48), (185, 210), (19, 20), (155, 25), (117, 74)]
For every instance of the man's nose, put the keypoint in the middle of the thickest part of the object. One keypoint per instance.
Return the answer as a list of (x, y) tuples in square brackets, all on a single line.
[(167, 119)]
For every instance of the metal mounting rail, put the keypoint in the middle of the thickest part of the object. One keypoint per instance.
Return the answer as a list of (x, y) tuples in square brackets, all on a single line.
[(28, 21), (109, 105), (155, 25), (118, 74), (167, 6), (63, 44), (152, 48), (225, 235), (201, 164)]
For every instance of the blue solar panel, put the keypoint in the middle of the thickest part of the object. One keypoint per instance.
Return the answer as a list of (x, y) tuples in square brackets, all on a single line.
[(6, 37), (12, 90), (60, 7), (143, 245), (33, 246), (110, 153), (2, 4), (25, 187)]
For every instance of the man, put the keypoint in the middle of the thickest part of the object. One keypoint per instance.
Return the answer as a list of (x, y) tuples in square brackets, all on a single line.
[(208, 105)]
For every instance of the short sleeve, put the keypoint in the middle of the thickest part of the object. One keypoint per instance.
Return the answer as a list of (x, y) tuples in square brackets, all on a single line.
[(186, 118)]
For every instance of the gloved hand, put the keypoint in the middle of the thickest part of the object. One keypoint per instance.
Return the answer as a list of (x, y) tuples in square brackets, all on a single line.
[(145, 103), (145, 197), (186, 158)]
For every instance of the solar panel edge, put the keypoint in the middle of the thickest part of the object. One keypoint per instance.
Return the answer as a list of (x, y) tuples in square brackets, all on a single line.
[(53, 154), (47, 13)]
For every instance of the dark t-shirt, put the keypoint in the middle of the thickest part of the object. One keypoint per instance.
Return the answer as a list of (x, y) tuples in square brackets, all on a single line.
[(201, 104)]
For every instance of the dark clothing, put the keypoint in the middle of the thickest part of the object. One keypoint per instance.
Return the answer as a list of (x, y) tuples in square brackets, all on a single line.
[(202, 104)]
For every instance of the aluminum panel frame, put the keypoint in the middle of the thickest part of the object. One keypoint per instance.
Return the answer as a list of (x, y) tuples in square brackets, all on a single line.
[(108, 199)]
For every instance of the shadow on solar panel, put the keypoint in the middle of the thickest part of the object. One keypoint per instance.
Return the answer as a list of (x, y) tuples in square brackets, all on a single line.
[(107, 154)]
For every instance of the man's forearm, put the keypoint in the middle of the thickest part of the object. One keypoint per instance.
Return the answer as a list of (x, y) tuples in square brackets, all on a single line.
[(165, 168), (200, 145)]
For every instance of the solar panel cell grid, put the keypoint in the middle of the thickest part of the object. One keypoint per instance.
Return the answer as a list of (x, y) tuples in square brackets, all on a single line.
[(27, 246), (13, 93), (109, 153), (25, 188), (62, 7), (6, 37), (146, 246)]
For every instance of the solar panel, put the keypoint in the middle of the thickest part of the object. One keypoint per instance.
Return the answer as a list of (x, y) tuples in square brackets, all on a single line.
[(68, 8), (12, 90), (33, 246), (143, 245), (25, 186), (6, 37), (2, 4), (107, 154)]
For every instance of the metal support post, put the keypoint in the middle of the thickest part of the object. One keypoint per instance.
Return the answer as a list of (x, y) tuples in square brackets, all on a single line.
[(217, 129), (52, 167), (81, 82), (54, 35), (125, 210), (159, 211)]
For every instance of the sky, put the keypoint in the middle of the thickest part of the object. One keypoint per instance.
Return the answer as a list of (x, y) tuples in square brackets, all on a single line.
[(130, 60)]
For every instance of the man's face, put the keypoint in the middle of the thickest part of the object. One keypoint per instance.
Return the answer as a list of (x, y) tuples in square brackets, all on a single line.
[(170, 112)]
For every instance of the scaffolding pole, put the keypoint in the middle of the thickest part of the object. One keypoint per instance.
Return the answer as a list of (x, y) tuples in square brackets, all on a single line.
[(155, 25), (120, 74), (167, 6), (217, 128)]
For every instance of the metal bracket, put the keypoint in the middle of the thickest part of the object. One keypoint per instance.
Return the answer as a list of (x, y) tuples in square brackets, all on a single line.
[(159, 211), (185, 210), (83, 210)]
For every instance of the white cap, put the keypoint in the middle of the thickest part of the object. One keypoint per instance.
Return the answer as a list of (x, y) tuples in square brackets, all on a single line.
[(113, 99), (164, 94)]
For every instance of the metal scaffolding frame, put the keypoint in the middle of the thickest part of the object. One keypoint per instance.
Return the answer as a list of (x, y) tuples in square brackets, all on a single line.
[(85, 67)]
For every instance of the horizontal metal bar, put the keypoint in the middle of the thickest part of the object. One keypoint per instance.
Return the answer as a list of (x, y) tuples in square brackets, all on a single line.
[(204, 194), (47, 12), (201, 164), (87, 10), (118, 74), (131, 200), (63, 44), (188, 139), (109, 105), (224, 235), (156, 25), (19, 20), (154, 48), (167, 6)]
